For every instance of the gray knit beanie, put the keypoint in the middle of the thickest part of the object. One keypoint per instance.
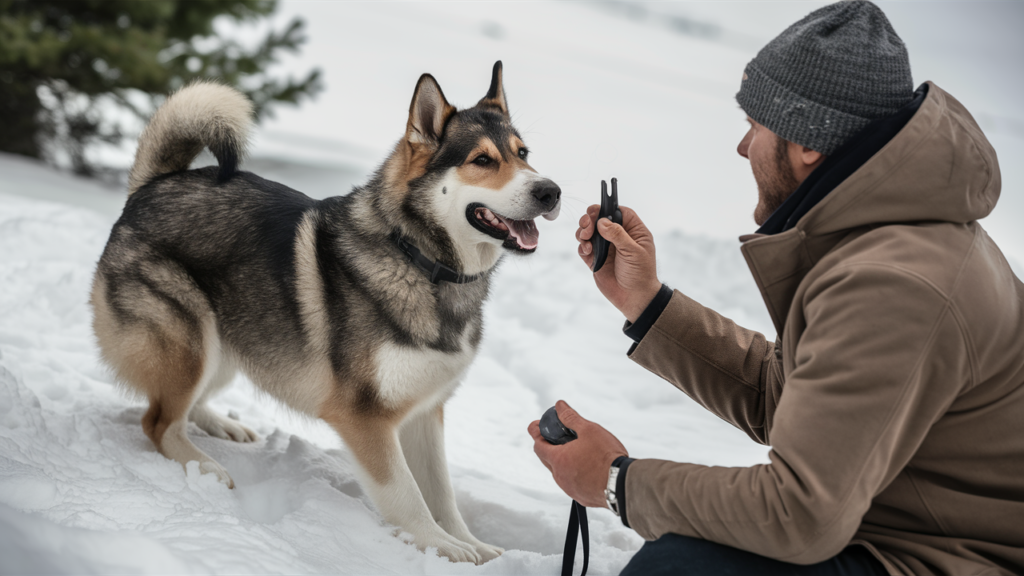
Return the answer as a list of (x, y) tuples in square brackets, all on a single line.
[(826, 77)]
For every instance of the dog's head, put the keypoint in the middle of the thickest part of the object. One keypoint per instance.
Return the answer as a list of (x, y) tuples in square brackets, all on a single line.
[(466, 172)]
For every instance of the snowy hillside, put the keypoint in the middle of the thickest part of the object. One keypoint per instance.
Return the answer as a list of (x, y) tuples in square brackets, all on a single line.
[(82, 490)]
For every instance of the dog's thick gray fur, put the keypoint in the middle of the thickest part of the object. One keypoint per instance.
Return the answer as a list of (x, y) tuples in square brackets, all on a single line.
[(213, 270)]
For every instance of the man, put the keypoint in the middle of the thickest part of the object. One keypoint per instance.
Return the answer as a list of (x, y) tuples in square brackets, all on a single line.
[(893, 398)]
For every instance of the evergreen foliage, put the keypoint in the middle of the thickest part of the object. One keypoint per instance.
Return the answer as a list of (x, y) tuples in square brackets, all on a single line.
[(65, 65)]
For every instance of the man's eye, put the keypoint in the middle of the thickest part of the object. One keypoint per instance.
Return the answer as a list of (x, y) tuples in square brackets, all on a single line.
[(482, 160), (523, 153)]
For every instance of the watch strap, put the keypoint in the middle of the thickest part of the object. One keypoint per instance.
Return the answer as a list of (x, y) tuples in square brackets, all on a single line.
[(622, 462)]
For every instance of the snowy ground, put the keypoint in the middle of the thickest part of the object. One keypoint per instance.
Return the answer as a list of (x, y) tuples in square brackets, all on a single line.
[(639, 91), (83, 490)]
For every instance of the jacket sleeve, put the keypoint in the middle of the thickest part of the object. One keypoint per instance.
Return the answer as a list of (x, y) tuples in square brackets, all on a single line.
[(880, 358), (731, 371)]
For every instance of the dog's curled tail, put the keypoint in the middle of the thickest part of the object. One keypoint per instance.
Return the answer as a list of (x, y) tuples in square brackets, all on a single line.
[(202, 114)]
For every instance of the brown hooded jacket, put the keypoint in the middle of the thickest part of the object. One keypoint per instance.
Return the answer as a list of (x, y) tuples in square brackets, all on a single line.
[(894, 397)]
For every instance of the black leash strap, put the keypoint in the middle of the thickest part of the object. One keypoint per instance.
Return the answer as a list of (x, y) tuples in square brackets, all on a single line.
[(554, 432), (577, 525)]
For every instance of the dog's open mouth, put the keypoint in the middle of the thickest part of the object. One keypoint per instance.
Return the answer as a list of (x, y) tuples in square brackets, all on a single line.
[(518, 235)]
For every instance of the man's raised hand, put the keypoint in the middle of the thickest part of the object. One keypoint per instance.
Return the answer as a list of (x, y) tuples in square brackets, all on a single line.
[(629, 277)]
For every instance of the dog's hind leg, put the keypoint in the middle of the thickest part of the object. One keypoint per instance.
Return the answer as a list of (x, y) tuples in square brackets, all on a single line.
[(422, 438), (166, 421), (212, 423), (163, 346), (373, 439)]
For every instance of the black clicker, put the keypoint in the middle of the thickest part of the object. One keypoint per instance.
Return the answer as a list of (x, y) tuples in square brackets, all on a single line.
[(609, 209), (552, 429)]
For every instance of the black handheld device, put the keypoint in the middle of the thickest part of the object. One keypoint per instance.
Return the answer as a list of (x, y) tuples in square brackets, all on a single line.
[(609, 209), (552, 429)]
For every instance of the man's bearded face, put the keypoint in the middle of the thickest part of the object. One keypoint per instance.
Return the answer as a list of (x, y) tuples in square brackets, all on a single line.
[(775, 179)]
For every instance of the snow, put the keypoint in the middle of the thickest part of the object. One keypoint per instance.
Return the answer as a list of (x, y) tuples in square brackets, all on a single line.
[(639, 91), (83, 490)]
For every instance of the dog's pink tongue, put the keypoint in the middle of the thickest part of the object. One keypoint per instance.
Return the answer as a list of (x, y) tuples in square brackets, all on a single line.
[(525, 232)]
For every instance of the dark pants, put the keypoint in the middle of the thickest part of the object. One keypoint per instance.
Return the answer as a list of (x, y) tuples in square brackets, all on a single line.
[(677, 555)]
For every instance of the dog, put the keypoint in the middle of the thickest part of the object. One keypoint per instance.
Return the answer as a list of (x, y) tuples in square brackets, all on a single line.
[(364, 310)]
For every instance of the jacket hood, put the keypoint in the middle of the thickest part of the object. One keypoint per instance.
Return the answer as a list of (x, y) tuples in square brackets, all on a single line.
[(939, 167)]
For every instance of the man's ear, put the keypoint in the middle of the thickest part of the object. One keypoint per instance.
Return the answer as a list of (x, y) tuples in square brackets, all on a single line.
[(428, 113), (803, 160), (495, 97), (810, 157)]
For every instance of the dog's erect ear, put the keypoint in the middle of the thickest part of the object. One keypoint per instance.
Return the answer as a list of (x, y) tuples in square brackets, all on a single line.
[(495, 97), (428, 113)]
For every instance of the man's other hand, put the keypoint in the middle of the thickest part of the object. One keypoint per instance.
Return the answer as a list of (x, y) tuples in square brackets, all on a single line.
[(580, 467), (629, 277)]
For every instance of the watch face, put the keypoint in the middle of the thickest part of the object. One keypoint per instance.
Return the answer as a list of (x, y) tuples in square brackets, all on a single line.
[(609, 491), (611, 501)]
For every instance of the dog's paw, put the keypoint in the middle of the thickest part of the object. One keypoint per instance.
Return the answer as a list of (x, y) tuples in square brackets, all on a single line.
[(486, 551), (211, 467), (458, 551), (449, 547), (220, 427)]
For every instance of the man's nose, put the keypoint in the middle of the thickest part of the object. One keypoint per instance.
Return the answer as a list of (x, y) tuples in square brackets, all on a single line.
[(744, 146), (547, 193)]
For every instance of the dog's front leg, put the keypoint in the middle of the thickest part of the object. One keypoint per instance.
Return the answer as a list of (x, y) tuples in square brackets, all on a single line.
[(390, 483), (422, 438)]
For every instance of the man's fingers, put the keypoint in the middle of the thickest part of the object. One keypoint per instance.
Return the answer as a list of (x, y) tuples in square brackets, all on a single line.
[(617, 235), (586, 229), (534, 430), (635, 226), (567, 415), (583, 236), (586, 254), (541, 446), (629, 216), (630, 219)]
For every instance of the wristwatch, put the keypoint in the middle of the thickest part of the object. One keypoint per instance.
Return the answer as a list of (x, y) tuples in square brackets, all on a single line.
[(609, 490)]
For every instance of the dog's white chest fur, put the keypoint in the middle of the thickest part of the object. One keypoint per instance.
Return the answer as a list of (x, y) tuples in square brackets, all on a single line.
[(419, 375)]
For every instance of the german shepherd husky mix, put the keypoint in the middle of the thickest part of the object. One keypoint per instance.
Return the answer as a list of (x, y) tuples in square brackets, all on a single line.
[(364, 310)]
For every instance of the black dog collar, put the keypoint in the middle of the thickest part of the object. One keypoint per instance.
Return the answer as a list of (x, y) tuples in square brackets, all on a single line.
[(436, 271)]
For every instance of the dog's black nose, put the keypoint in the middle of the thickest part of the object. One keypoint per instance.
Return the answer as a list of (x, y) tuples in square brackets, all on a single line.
[(547, 193)]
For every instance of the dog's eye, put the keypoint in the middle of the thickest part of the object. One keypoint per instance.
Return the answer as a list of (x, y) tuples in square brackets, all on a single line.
[(523, 153), (482, 160)]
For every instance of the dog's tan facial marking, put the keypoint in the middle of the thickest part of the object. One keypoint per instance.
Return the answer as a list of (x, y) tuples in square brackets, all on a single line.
[(486, 168), (519, 153)]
